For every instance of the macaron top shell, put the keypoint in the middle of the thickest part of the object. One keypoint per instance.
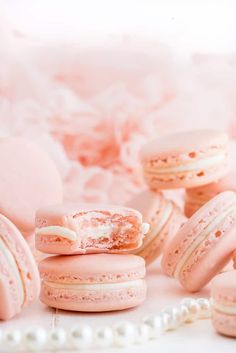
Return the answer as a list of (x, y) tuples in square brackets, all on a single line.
[(95, 268), (189, 143), (28, 180), (55, 214), (223, 288)]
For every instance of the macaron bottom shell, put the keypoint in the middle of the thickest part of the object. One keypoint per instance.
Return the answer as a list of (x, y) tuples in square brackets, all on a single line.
[(224, 324)]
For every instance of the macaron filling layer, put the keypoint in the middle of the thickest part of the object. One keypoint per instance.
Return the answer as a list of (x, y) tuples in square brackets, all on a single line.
[(60, 231), (201, 237), (198, 164), (94, 287), (225, 309), (14, 267), (94, 227)]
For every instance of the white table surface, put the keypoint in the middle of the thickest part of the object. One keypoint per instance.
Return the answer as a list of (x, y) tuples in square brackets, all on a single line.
[(162, 291)]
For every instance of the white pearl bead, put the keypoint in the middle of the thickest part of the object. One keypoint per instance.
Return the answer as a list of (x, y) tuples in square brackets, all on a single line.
[(155, 324), (35, 338), (81, 336), (173, 319), (103, 337), (57, 337), (184, 312), (12, 338), (193, 307), (142, 333), (124, 334), (205, 308)]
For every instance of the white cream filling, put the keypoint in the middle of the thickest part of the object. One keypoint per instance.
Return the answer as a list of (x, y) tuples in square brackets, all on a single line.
[(202, 163), (13, 265), (157, 227), (100, 231), (226, 309), (95, 287), (145, 227), (57, 231), (202, 236)]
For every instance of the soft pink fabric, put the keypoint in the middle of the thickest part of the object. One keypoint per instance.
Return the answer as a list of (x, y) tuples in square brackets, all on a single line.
[(93, 109)]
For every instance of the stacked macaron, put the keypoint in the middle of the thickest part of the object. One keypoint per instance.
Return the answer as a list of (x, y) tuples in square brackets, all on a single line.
[(198, 162), (92, 270)]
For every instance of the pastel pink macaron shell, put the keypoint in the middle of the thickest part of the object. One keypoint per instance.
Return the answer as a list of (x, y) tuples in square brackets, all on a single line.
[(189, 152), (215, 249), (178, 144), (154, 206), (196, 197), (223, 293), (11, 303), (29, 180), (100, 269), (125, 225)]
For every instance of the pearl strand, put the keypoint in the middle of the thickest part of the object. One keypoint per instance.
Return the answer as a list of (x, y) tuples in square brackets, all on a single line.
[(123, 334)]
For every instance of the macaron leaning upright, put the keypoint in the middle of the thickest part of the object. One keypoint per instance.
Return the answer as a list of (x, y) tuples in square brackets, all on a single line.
[(88, 228), (186, 159), (19, 277), (28, 180), (223, 295), (93, 283), (204, 245), (197, 197), (165, 219)]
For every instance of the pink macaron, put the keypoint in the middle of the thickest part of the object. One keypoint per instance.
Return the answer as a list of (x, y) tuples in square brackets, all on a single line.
[(89, 228), (92, 283), (223, 294), (19, 277), (204, 245), (164, 217), (186, 159), (28, 180), (197, 197)]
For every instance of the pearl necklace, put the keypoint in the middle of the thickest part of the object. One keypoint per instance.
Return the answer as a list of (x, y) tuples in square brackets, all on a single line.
[(123, 334)]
